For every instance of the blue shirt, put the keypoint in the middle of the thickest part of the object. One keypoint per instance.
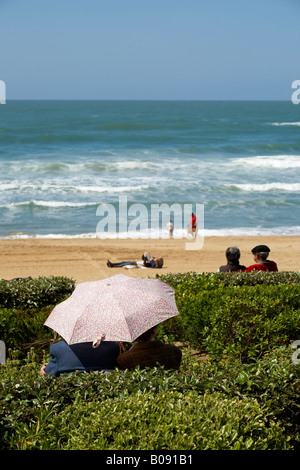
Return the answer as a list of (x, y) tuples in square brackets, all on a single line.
[(81, 357)]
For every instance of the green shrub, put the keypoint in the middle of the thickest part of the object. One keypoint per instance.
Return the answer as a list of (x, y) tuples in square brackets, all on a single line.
[(259, 277), (29, 403), (247, 322), (167, 420), (35, 292), (24, 306), (234, 314), (242, 321), (18, 328), (273, 380), (212, 280)]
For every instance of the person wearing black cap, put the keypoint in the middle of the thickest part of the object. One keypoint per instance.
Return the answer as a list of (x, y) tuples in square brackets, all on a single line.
[(261, 253)]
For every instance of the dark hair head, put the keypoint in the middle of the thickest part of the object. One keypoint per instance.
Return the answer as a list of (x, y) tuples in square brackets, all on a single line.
[(233, 253), (147, 335)]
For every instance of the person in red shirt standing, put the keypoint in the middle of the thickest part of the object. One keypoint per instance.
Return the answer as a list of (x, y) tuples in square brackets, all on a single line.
[(261, 253), (194, 224)]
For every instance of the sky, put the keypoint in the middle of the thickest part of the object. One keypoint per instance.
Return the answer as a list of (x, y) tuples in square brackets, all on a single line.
[(150, 50)]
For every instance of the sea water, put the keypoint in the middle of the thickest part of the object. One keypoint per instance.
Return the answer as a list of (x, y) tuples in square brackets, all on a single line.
[(62, 160)]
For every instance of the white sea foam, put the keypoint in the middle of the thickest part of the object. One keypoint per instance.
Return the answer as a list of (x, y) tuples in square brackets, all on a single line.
[(290, 187), (133, 165), (271, 161), (252, 231), (22, 167), (52, 204), (70, 188), (109, 189), (285, 123), (163, 234)]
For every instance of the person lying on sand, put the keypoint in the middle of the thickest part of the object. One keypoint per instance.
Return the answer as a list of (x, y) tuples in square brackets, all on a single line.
[(149, 262)]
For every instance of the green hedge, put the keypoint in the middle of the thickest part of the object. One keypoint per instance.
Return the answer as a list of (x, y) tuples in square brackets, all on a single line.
[(21, 328), (212, 280), (238, 315), (168, 420), (244, 326), (24, 306), (231, 316), (35, 292), (204, 405)]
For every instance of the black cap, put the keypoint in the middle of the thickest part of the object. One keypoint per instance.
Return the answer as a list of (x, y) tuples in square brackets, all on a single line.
[(260, 249)]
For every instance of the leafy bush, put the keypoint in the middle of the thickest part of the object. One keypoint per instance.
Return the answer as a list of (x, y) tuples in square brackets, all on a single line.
[(20, 328), (259, 277), (24, 306), (221, 314), (212, 280), (32, 407), (243, 321), (35, 292), (168, 420), (247, 322), (272, 380)]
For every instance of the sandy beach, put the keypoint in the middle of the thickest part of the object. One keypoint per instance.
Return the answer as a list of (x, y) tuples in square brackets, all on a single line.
[(85, 259)]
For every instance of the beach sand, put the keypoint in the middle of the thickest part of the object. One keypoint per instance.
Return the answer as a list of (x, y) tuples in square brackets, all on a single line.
[(85, 259)]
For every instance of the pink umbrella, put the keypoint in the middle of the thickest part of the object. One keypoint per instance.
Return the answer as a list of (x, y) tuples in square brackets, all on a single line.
[(118, 308)]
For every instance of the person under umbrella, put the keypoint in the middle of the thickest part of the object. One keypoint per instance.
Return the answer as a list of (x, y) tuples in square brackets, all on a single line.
[(116, 309), (81, 357), (147, 351)]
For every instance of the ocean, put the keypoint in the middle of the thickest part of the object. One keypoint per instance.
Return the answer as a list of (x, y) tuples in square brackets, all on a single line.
[(68, 168)]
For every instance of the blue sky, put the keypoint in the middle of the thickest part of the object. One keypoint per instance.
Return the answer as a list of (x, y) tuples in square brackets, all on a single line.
[(158, 49)]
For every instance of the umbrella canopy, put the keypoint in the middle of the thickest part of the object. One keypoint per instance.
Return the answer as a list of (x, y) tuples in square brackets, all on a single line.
[(118, 308)]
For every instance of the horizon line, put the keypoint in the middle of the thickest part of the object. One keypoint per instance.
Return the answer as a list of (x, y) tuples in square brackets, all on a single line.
[(148, 99)]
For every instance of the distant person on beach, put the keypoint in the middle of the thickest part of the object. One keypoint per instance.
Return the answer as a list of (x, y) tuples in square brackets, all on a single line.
[(233, 255), (170, 228), (260, 254), (148, 262), (81, 357), (147, 351), (194, 224), (192, 228)]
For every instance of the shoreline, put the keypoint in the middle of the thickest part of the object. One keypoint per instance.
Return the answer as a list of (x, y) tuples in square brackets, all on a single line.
[(84, 259)]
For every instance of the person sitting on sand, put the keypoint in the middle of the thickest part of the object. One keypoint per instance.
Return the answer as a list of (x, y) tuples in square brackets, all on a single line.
[(147, 351), (81, 357), (260, 254), (233, 261), (149, 262)]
